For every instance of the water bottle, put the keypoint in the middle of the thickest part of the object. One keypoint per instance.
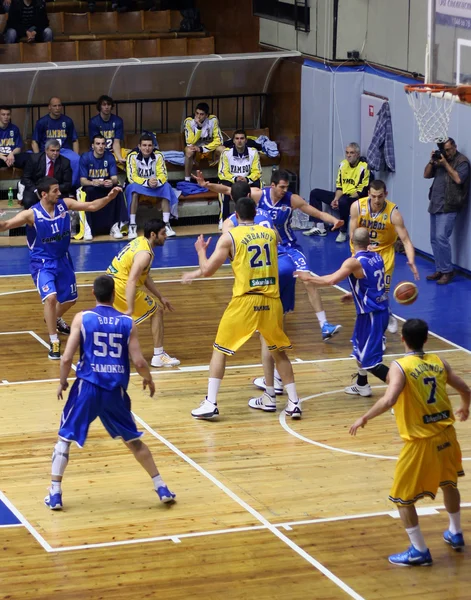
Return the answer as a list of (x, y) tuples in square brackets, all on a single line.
[(10, 196)]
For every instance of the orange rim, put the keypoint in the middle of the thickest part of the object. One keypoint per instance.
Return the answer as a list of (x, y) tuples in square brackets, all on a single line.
[(432, 87)]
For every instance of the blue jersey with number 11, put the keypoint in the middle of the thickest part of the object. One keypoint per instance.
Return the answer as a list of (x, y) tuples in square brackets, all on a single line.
[(369, 293), (104, 340), (49, 238)]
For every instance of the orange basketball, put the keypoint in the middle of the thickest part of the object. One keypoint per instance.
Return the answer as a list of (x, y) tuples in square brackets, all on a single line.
[(406, 292)]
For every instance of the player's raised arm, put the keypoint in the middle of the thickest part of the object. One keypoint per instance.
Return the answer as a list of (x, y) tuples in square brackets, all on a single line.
[(298, 202), (95, 205), (67, 357), (219, 188), (209, 266), (463, 390), (396, 383), (349, 266), (25, 217), (140, 362)]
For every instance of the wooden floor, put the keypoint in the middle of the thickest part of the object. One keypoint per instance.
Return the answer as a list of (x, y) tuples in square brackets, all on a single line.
[(267, 508)]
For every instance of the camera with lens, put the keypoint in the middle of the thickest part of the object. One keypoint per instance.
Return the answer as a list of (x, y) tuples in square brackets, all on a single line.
[(437, 155)]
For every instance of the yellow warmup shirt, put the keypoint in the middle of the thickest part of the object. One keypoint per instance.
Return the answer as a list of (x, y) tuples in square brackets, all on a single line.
[(423, 409), (255, 261), (353, 180), (122, 262)]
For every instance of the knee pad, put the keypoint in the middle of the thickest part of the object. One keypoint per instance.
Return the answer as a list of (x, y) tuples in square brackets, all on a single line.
[(380, 371)]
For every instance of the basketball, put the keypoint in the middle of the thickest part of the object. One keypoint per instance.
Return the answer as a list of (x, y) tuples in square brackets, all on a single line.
[(406, 292)]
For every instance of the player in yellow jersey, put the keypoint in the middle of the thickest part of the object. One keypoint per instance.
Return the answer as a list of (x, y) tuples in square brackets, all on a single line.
[(385, 224), (431, 456), (130, 270), (255, 305)]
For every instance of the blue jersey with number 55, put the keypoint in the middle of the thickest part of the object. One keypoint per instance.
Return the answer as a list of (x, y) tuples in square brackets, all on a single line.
[(104, 341), (49, 238), (369, 293)]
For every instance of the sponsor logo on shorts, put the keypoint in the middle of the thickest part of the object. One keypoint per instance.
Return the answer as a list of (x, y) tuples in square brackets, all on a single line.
[(45, 288), (260, 308), (262, 281), (441, 416), (443, 446)]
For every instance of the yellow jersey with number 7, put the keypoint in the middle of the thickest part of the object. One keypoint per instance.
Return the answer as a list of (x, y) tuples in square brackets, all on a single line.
[(423, 408), (254, 261)]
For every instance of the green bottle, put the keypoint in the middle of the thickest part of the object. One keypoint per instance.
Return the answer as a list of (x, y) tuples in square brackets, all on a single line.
[(10, 196)]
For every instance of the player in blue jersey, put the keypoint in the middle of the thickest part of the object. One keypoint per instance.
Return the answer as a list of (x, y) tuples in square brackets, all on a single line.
[(107, 340), (108, 125), (365, 272), (48, 236), (279, 203)]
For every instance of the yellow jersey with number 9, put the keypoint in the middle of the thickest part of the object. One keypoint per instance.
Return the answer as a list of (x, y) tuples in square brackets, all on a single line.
[(122, 263), (254, 261), (423, 408), (381, 229)]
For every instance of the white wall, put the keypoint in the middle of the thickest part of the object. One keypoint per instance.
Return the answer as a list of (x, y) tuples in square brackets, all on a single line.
[(330, 119)]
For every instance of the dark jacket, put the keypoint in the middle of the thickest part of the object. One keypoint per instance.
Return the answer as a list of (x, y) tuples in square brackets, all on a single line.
[(35, 169), (14, 17)]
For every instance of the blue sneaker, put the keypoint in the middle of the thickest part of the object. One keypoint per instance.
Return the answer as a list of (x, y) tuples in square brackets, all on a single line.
[(329, 330), (53, 501), (456, 540), (412, 558), (165, 494)]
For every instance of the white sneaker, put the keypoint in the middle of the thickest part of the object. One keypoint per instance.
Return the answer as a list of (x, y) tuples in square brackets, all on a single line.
[(132, 233), (88, 237), (392, 324), (220, 224), (21, 188), (315, 231), (293, 409), (260, 383), (342, 237), (358, 390), (164, 360), (206, 410), (263, 402), (115, 232), (169, 231)]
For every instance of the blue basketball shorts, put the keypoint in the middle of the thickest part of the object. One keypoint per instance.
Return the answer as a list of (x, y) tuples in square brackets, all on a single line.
[(86, 402), (286, 269), (367, 338), (56, 276), (297, 257)]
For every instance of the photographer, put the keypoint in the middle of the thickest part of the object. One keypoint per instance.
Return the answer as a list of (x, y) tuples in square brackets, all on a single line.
[(448, 194)]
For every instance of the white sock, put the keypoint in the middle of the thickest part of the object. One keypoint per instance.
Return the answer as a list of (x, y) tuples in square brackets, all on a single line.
[(213, 389), (455, 522), (132, 219), (270, 390), (277, 375), (158, 351), (321, 318), (158, 482), (166, 216), (54, 337), (56, 487), (187, 178), (291, 391), (416, 538)]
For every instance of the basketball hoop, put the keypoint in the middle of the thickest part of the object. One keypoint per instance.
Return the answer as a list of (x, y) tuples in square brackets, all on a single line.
[(432, 104)]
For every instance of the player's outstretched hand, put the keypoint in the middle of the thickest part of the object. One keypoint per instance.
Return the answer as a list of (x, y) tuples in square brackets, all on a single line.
[(199, 178), (413, 268), (361, 422), (462, 413), (149, 383), (338, 223), (347, 297), (62, 387), (189, 277), (166, 304), (201, 243), (114, 192), (302, 275)]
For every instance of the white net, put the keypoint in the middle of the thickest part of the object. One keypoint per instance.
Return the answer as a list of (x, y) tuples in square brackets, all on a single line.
[(432, 112)]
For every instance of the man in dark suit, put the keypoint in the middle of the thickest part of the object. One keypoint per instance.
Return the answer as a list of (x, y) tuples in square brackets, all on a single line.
[(48, 163)]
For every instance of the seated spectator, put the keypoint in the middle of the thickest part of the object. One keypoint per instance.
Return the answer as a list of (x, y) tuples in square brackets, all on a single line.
[(202, 137), (239, 163), (353, 180), (147, 175), (98, 174), (108, 125), (45, 164), (10, 142), (58, 126), (27, 18)]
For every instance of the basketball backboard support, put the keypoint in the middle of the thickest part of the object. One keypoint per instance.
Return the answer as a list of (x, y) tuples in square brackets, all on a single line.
[(448, 53)]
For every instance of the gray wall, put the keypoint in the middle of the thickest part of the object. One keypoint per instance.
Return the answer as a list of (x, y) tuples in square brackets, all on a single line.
[(387, 32), (330, 119)]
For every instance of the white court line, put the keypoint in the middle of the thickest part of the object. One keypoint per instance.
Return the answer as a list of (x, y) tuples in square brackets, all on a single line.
[(12, 332), (287, 428), (281, 536), (37, 536), (11, 525), (44, 343)]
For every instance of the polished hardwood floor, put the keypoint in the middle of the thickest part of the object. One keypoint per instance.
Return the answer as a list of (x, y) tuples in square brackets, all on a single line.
[(267, 508)]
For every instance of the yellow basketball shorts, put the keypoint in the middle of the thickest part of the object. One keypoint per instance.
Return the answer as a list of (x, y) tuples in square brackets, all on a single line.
[(426, 464), (144, 305), (389, 258), (247, 314)]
